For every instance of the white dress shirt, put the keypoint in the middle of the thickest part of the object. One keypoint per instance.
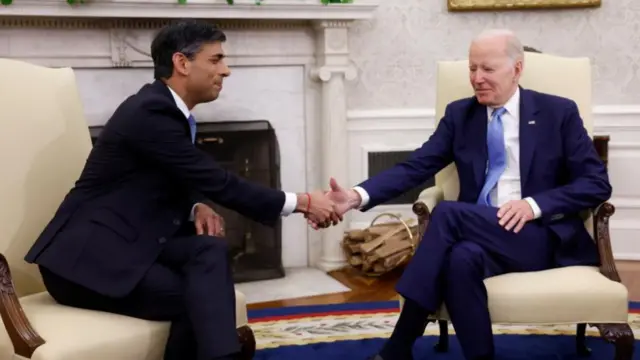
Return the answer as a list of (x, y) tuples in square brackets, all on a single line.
[(291, 200), (509, 185)]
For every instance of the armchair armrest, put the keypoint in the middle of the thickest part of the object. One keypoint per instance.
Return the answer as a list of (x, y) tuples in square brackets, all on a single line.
[(23, 336), (423, 206), (430, 197), (601, 216)]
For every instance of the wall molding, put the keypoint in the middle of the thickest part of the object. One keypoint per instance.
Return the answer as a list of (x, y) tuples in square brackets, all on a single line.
[(607, 118), (125, 43), (167, 9)]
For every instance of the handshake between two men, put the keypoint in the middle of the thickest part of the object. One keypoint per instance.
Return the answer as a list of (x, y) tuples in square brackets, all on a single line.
[(325, 208)]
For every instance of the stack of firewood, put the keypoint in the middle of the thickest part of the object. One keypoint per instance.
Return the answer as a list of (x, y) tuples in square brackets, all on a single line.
[(380, 247)]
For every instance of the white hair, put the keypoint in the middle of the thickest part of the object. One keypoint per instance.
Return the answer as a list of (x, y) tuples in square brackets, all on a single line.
[(514, 48)]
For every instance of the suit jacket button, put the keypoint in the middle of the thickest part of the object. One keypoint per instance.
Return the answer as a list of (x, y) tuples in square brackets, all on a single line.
[(177, 222), (162, 240)]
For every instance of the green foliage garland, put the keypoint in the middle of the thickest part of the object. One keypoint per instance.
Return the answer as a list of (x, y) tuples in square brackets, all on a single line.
[(230, 2)]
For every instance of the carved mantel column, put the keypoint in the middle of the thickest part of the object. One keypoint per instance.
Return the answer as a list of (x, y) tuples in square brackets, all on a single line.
[(333, 69)]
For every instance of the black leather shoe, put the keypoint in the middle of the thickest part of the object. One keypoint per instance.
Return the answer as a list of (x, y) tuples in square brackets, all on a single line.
[(247, 344)]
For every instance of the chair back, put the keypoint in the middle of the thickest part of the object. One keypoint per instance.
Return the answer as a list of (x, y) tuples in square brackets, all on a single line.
[(44, 142), (562, 76)]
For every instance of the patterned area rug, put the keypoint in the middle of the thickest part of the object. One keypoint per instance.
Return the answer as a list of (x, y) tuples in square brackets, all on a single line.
[(355, 331)]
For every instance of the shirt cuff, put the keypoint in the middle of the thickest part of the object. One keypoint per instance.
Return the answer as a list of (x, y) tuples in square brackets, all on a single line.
[(534, 206), (193, 209), (290, 202), (364, 195)]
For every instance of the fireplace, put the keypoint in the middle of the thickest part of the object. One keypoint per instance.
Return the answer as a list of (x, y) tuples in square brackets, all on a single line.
[(290, 64), (248, 149)]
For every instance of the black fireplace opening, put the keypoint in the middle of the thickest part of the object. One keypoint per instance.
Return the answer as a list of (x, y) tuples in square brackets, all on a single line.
[(379, 161), (248, 149)]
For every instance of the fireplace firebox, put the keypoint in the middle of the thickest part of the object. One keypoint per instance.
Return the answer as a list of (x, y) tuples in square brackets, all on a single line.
[(248, 149)]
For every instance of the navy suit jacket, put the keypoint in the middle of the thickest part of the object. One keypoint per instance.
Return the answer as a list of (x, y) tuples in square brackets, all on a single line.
[(136, 191), (559, 166)]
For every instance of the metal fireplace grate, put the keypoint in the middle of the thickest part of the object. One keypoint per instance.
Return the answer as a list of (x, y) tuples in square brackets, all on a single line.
[(379, 161)]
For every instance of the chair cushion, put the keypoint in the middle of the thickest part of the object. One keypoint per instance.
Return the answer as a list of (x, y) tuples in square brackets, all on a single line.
[(574, 294), (78, 334)]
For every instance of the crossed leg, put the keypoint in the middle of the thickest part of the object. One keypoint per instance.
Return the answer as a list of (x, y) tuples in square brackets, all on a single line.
[(462, 246)]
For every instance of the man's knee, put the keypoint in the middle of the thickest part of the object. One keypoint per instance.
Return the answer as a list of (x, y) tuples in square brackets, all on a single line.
[(466, 257), (445, 207), (461, 210), (205, 245), (447, 210)]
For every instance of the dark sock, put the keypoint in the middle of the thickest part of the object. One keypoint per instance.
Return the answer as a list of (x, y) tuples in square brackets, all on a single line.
[(229, 357), (410, 326)]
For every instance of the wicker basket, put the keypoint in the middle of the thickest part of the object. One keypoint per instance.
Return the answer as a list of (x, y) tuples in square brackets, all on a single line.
[(381, 248)]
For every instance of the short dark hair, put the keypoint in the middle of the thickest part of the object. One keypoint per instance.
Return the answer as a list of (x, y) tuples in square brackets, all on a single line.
[(185, 36)]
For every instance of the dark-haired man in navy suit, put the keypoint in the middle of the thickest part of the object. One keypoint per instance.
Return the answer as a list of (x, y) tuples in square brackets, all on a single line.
[(526, 167), (123, 239)]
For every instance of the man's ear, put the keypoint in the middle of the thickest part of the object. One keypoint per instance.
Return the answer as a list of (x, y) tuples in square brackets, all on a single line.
[(519, 66), (181, 64)]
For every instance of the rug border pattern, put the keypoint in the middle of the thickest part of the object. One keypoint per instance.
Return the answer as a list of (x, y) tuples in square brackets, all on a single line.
[(303, 325)]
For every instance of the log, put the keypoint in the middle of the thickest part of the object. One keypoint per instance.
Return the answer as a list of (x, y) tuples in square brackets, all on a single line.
[(380, 247)]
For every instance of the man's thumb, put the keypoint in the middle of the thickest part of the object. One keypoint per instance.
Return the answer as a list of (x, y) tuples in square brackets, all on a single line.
[(334, 185)]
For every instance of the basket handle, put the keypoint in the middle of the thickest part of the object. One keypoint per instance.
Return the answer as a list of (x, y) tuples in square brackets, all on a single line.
[(406, 226)]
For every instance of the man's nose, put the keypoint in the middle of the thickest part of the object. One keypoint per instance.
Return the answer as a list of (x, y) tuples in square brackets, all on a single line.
[(226, 71)]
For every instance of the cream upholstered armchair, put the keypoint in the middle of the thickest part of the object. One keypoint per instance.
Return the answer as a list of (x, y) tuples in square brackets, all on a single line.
[(573, 295), (44, 142)]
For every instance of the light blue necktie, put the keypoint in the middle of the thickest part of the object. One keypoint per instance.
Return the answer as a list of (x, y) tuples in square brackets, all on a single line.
[(192, 127), (497, 156)]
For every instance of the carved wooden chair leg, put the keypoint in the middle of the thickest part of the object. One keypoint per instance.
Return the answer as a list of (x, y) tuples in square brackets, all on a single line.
[(581, 345), (621, 336), (443, 340), (247, 342)]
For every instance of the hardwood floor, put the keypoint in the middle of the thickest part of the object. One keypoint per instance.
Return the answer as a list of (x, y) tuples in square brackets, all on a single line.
[(630, 273), (364, 289)]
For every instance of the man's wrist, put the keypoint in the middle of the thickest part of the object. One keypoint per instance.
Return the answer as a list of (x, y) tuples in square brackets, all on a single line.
[(354, 199), (302, 203), (537, 213)]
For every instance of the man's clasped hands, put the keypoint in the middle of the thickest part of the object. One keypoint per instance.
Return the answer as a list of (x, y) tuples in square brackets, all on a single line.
[(325, 208)]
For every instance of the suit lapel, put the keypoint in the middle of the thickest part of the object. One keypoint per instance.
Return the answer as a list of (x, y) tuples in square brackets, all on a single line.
[(477, 138), (528, 133), (161, 88)]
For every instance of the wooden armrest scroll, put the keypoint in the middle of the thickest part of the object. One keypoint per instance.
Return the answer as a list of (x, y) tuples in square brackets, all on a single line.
[(601, 216), (24, 338), (424, 216), (428, 197)]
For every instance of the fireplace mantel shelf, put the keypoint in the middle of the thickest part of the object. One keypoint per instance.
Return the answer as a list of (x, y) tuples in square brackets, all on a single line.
[(204, 9)]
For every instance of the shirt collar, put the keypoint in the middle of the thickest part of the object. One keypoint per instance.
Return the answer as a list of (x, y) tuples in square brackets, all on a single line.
[(513, 104), (180, 103)]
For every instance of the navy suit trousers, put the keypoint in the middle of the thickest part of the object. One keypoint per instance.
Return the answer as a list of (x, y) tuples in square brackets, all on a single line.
[(463, 245)]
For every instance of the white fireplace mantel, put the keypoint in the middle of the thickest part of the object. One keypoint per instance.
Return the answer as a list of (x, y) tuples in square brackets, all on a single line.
[(301, 43), (209, 9)]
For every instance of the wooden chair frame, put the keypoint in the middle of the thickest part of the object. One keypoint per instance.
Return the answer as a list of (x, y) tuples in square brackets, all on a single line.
[(25, 338)]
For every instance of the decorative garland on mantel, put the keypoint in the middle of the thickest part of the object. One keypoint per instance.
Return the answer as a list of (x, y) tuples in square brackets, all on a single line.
[(230, 2)]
